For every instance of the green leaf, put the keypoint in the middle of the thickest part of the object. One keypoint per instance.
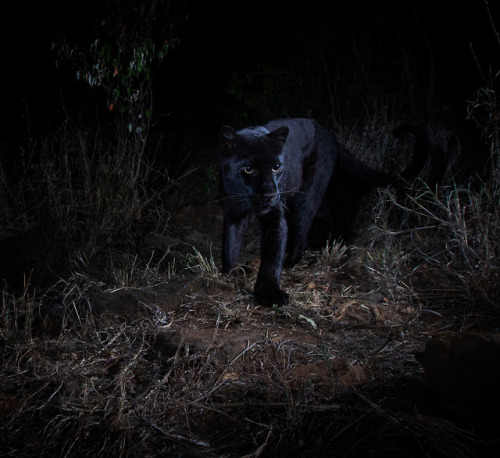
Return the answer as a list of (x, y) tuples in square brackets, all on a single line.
[(309, 320)]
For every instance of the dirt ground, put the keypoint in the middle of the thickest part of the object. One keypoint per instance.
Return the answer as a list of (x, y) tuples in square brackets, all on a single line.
[(342, 366), (192, 366)]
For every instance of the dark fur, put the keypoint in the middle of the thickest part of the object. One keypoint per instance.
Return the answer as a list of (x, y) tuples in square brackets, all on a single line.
[(282, 177)]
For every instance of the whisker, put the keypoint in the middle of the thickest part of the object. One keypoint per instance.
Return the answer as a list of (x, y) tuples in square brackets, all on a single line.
[(282, 205), (292, 192), (232, 196)]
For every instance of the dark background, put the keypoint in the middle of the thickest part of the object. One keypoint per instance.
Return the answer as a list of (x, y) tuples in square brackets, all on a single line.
[(353, 46)]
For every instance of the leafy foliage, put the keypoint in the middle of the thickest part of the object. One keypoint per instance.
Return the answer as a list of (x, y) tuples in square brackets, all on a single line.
[(130, 43)]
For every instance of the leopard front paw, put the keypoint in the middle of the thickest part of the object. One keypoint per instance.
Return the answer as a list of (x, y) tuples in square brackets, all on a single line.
[(271, 296)]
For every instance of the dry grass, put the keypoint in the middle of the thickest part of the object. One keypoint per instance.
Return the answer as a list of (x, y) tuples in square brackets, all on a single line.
[(216, 376), (139, 347)]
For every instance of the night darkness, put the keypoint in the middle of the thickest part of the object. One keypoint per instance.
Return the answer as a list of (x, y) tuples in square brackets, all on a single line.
[(219, 39)]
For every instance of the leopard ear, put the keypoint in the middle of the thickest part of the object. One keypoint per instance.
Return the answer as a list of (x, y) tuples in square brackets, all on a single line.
[(227, 137), (279, 135)]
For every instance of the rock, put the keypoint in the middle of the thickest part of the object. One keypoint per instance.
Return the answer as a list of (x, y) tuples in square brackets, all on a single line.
[(466, 369)]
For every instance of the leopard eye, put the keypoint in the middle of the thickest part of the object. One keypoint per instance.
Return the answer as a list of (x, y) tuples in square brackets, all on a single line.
[(276, 168), (248, 169)]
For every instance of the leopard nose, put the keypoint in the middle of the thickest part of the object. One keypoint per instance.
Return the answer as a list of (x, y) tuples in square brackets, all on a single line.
[(270, 197)]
